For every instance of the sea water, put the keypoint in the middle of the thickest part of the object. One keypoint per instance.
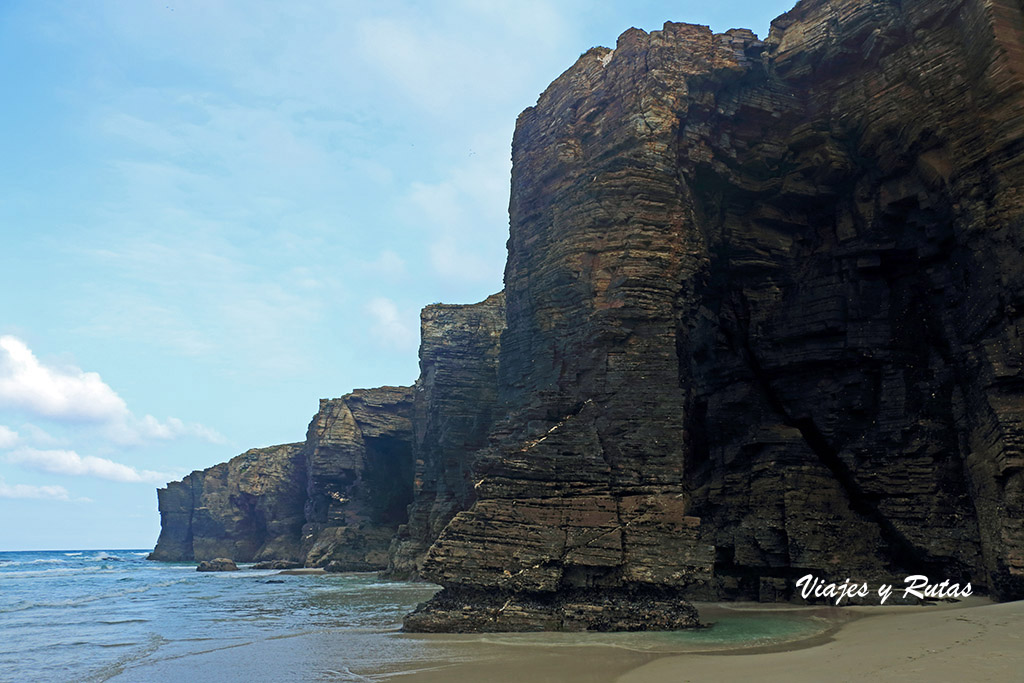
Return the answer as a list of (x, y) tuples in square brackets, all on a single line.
[(88, 615)]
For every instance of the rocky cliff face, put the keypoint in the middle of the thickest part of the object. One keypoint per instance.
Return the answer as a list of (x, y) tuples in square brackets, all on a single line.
[(358, 453), (763, 318), (455, 409), (334, 501), (249, 509)]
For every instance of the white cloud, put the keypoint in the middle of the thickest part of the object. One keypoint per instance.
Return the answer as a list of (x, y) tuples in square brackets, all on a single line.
[(53, 392), (27, 491), (8, 437), (70, 395), (148, 428), (389, 327), (72, 464)]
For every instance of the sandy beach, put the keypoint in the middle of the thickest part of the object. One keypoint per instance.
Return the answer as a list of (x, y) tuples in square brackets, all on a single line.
[(971, 640), (981, 642)]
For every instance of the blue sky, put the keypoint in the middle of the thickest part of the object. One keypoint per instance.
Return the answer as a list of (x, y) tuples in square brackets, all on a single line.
[(217, 212)]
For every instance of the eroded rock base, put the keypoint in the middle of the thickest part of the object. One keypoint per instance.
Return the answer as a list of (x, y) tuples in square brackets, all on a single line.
[(622, 609)]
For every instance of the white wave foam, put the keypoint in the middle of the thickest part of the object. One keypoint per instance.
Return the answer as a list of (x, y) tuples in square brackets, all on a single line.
[(62, 571), (144, 650), (114, 622), (91, 598), (106, 557)]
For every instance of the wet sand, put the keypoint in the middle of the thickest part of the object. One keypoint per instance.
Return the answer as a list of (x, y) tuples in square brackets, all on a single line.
[(605, 657), (971, 640)]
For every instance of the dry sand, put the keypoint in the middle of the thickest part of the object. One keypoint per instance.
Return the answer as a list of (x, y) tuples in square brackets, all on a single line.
[(976, 643)]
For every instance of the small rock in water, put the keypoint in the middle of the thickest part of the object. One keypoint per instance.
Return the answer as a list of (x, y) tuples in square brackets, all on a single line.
[(220, 564)]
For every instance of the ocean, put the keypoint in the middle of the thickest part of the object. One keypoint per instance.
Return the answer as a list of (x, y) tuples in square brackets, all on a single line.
[(88, 615)]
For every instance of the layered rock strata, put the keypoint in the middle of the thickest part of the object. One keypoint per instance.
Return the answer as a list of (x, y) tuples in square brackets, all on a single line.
[(455, 402), (247, 509), (763, 318), (334, 501), (358, 455)]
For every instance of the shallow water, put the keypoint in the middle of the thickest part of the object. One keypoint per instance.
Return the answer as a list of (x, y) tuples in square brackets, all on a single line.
[(89, 615), (730, 629), (112, 615)]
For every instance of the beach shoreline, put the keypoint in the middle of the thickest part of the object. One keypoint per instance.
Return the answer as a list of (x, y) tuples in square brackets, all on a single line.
[(972, 640)]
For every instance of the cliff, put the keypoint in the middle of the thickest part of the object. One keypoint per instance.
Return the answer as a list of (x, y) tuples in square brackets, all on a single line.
[(763, 318), (456, 405), (334, 501), (365, 491), (358, 453), (249, 509)]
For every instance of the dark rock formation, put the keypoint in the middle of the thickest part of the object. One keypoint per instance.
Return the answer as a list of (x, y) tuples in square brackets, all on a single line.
[(455, 404), (177, 504), (858, 379), (763, 318), (247, 509), (359, 458), (334, 501), (219, 564), (588, 609)]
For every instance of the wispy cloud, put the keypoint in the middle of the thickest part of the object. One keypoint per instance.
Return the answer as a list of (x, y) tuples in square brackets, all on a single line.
[(435, 56), (196, 294), (351, 131), (38, 492), (33, 435), (462, 214), (71, 463), (134, 431), (390, 327), (8, 437)]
